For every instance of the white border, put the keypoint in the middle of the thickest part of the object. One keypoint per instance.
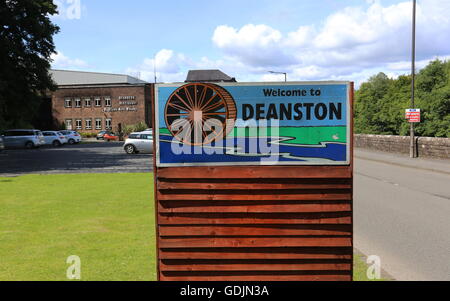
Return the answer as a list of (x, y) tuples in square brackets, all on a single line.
[(279, 163)]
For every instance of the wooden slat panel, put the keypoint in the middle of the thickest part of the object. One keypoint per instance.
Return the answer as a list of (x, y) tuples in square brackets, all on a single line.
[(253, 218), (255, 230), (256, 253), (205, 184), (236, 276), (255, 242), (255, 267), (280, 195), (265, 172), (183, 206)]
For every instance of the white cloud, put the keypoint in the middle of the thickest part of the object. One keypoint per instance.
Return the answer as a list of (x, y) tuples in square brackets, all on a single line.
[(60, 61), (169, 66), (167, 61), (257, 45), (301, 37), (269, 77), (353, 43), (349, 41)]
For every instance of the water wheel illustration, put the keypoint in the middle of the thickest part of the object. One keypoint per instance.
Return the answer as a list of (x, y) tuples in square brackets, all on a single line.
[(200, 113)]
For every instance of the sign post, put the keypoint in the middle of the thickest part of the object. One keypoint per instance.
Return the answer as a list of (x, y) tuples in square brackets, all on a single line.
[(254, 181), (413, 115)]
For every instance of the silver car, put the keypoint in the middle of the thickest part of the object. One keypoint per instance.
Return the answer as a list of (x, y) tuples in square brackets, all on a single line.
[(2, 145), (141, 142), (23, 138), (72, 136), (54, 138)]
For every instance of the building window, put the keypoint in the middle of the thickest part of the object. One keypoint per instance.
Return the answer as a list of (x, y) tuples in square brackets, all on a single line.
[(98, 102), (68, 103), (108, 124), (77, 103), (108, 101), (68, 123), (87, 102), (78, 124), (98, 124), (88, 124)]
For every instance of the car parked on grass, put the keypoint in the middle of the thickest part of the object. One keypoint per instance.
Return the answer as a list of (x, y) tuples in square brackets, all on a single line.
[(23, 138), (72, 136), (141, 142), (54, 138)]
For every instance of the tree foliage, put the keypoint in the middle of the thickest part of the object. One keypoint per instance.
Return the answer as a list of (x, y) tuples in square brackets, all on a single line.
[(138, 127), (26, 44), (380, 103)]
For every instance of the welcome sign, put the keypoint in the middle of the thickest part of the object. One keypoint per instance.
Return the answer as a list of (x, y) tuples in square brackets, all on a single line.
[(210, 124)]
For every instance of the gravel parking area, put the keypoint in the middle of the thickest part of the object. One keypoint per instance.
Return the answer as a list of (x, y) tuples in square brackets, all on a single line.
[(95, 157)]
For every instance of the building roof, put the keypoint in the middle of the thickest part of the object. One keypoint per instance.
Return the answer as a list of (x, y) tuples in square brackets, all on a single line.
[(208, 76), (72, 78)]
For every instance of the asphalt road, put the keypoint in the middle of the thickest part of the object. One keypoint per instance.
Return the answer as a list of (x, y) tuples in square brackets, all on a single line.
[(97, 157), (402, 214)]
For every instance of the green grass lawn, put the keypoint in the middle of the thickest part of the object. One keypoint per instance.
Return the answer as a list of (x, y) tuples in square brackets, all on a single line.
[(105, 219)]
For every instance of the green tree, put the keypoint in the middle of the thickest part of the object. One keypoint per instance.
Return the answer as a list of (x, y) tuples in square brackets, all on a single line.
[(368, 100), (138, 127), (26, 44), (394, 102), (380, 103), (433, 98)]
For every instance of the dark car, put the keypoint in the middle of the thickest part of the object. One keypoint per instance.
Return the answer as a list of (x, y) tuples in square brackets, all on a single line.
[(102, 133)]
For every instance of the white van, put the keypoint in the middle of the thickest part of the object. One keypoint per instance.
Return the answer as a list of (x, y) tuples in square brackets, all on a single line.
[(23, 138)]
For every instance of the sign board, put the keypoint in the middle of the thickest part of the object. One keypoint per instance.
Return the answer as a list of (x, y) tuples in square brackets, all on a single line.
[(413, 115), (295, 123), (253, 181)]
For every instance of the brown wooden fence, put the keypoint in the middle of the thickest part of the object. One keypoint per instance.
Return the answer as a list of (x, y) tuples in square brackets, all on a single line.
[(247, 223)]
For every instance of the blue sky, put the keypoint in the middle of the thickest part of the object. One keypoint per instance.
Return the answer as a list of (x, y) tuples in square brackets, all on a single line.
[(311, 40)]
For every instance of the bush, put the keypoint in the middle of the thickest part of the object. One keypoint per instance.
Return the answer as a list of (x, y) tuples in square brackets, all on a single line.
[(139, 127), (88, 135)]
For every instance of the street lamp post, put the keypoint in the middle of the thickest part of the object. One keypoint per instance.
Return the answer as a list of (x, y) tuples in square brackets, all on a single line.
[(276, 72), (412, 152)]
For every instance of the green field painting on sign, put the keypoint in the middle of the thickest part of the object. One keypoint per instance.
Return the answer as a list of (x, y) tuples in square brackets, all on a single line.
[(299, 135)]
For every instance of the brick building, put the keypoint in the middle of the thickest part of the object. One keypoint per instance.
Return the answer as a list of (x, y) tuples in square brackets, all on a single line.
[(91, 102)]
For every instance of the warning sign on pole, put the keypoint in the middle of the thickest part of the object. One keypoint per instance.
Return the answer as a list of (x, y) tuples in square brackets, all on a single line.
[(413, 115)]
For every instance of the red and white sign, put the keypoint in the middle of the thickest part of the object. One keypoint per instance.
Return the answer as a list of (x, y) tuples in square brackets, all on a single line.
[(413, 115)]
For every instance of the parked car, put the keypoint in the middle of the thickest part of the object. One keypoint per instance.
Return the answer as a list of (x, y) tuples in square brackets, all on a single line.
[(23, 138), (63, 138), (102, 133), (141, 142), (72, 136), (110, 137), (54, 138), (2, 145)]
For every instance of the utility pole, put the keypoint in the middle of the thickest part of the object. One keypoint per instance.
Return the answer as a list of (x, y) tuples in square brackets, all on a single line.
[(276, 72), (154, 67), (412, 145)]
